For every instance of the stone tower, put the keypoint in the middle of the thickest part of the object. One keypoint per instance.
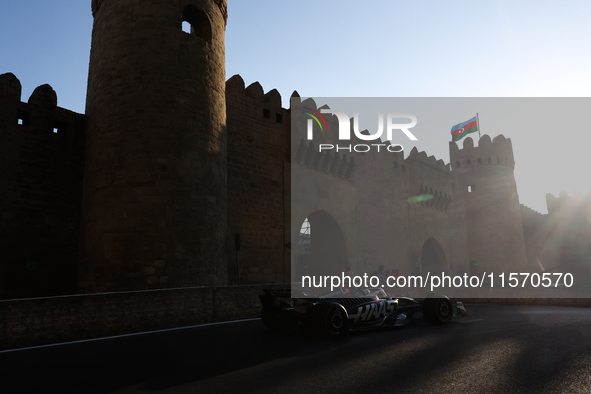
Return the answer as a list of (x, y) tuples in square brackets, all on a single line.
[(155, 191), (493, 214)]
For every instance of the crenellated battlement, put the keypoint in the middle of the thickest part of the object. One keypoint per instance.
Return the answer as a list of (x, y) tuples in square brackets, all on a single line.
[(266, 105), (236, 85), (222, 4), (576, 201), (431, 161), (430, 181), (55, 134), (431, 198), (10, 86), (39, 116), (336, 164), (235, 82), (497, 151), (527, 211), (563, 195), (273, 98)]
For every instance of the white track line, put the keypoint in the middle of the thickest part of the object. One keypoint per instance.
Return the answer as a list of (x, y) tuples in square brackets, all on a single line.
[(127, 335)]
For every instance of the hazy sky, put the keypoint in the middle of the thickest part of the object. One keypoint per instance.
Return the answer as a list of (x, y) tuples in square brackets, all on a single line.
[(384, 48)]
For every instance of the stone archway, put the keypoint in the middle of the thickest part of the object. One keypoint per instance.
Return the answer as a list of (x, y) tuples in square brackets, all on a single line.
[(432, 257), (321, 246)]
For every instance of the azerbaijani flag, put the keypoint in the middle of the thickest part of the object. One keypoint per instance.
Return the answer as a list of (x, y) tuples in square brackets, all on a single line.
[(460, 130)]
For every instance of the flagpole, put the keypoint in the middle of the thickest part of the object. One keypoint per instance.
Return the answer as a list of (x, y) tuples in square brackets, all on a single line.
[(478, 124)]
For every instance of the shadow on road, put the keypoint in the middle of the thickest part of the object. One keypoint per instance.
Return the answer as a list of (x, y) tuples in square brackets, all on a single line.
[(497, 348)]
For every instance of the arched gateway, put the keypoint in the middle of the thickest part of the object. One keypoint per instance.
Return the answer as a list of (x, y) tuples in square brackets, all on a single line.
[(321, 247), (432, 257)]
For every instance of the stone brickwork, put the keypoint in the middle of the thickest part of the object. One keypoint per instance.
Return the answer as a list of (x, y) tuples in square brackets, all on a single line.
[(535, 234), (39, 321), (155, 190), (41, 167), (258, 150), (486, 180), (442, 217)]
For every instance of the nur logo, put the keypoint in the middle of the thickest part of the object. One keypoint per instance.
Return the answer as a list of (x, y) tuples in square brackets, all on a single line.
[(387, 123), (315, 115)]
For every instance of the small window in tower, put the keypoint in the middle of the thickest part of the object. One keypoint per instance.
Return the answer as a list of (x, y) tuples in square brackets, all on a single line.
[(186, 27), (395, 165), (471, 188), (59, 126), (266, 113), (457, 164), (22, 118), (198, 21), (279, 118)]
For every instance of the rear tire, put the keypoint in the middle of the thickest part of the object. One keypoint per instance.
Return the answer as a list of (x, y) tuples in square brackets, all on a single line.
[(336, 321), (438, 310)]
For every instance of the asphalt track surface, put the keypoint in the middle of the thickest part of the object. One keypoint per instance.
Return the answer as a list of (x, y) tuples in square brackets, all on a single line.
[(496, 349)]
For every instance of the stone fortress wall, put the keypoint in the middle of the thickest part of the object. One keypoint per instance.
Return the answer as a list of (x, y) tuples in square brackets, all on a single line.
[(176, 177), (41, 171)]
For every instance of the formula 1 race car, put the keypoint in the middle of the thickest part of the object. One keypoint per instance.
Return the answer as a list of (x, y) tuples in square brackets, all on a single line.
[(367, 308)]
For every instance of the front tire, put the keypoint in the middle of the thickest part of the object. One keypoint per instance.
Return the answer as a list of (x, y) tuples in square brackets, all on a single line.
[(438, 310)]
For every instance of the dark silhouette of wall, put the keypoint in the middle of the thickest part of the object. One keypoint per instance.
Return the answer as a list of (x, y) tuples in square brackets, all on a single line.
[(41, 168), (187, 177), (258, 184)]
